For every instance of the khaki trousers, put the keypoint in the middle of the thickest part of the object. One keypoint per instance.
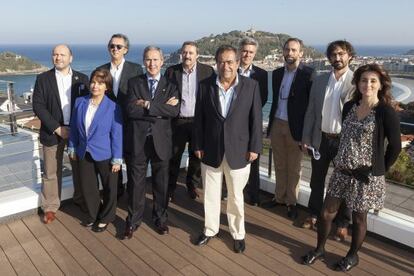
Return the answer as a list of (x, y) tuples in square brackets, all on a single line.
[(236, 181), (287, 158), (52, 178)]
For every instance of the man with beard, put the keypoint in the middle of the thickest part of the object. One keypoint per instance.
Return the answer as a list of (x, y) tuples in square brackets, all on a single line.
[(322, 127), (187, 77), (291, 86)]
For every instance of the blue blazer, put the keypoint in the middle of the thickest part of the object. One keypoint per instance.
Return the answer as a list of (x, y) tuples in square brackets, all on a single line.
[(104, 140)]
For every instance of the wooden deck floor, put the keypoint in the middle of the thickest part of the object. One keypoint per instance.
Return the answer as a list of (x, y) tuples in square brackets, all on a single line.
[(274, 246)]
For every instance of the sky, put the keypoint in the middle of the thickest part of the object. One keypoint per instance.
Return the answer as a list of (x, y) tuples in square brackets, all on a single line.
[(362, 22)]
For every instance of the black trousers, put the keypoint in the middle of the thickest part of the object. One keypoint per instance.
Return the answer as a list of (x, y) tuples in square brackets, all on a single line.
[(99, 211), (137, 170), (253, 185), (182, 133), (328, 150)]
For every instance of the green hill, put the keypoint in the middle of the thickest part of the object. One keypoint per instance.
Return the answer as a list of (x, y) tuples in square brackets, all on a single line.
[(14, 63), (269, 43)]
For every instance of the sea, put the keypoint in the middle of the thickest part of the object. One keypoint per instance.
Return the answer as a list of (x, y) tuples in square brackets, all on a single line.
[(87, 57)]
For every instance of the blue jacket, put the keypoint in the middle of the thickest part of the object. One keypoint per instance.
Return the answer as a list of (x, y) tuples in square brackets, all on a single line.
[(104, 140)]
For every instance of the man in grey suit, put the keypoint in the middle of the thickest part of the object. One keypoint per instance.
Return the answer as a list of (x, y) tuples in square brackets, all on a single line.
[(322, 127), (121, 71)]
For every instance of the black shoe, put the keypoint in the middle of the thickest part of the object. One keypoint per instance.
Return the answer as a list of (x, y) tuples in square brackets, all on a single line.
[(192, 193), (239, 246), (346, 263), (99, 227), (203, 239), (292, 211), (252, 202), (162, 229), (129, 231), (270, 204), (86, 223), (312, 256)]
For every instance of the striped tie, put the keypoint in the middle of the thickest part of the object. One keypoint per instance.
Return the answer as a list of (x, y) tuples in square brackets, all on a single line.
[(152, 87)]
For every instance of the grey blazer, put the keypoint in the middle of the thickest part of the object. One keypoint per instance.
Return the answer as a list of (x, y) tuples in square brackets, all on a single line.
[(312, 132)]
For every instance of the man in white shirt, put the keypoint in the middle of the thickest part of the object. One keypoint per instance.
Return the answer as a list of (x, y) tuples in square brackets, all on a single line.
[(53, 98), (322, 127)]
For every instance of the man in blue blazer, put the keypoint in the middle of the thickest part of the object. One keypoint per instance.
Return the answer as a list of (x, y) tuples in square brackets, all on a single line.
[(152, 103)]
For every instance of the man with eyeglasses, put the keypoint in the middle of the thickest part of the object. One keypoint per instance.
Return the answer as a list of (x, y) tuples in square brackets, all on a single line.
[(187, 77), (121, 71), (228, 137), (322, 128), (247, 50), (291, 86)]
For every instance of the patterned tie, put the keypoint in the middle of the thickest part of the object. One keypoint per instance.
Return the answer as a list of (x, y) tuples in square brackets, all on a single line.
[(152, 87)]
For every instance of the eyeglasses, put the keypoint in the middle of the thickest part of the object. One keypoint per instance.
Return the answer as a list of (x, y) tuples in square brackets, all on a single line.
[(117, 46)]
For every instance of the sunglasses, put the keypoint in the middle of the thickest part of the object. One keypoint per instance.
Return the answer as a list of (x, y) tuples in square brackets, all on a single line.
[(118, 47)]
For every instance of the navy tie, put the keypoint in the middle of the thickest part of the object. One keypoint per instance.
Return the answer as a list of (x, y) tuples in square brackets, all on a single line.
[(152, 87)]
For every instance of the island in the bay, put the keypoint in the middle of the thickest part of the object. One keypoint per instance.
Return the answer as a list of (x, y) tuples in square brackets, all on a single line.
[(15, 64)]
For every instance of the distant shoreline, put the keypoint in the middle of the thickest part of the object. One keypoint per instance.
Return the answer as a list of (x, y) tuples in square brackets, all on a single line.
[(25, 72)]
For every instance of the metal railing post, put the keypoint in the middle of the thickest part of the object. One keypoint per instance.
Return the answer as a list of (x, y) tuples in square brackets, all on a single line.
[(12, 115)]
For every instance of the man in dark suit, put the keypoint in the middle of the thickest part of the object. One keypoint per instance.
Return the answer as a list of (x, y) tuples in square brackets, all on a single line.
[(152, 102), (53, 98), (187, 77), (247, 50), (291, 86), (228, 137), (322, 127), (121, 71)]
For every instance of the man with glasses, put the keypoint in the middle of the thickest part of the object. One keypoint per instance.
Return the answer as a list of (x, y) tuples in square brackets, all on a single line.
[(228, 137), (322, 128), (291, 86), (121, 71)]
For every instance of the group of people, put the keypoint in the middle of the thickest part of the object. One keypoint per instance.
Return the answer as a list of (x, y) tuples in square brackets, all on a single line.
[(122, 113)]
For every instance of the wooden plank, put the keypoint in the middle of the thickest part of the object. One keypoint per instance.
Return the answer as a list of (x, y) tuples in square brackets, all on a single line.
[(55, 249), (81, 254), (5, 267), (16, 255), (40, 258), (103, 254), (191, 270)]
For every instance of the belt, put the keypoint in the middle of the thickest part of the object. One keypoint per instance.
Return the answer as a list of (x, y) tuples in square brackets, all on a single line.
[(185, 118), (331, 135)]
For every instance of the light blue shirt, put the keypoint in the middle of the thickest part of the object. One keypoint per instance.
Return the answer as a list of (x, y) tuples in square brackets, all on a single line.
[(226, 97), (189, 92), (284, 91)]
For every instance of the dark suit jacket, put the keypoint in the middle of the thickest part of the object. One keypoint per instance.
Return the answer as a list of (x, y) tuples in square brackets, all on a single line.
[(297, 101), (129, 70), (240, 132), (158, 116), (47, 105), (260, 76), (175, 74)]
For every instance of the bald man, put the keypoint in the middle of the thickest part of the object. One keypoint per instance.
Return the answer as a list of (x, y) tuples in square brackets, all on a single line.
[(53, 98)]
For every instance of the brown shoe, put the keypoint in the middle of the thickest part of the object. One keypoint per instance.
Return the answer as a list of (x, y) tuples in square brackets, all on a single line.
[(310, 223), (341, 233), (49, 217)]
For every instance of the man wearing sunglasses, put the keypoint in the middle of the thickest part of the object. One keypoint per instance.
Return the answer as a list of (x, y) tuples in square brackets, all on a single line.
[(121, 71), (291, 86)]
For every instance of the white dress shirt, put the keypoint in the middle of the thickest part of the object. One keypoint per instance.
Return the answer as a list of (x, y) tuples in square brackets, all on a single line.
[(226, 97), (189, 92), (90, 114), (116, 72), (332, 110), (64, 83), (247, 72)]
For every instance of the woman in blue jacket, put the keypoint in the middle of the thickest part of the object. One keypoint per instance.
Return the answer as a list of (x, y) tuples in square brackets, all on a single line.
[(96, 141)]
